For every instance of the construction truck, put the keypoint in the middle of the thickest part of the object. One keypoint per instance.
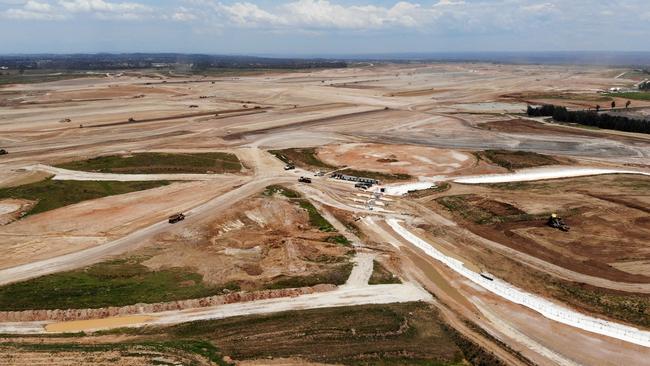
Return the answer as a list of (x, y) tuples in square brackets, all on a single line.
[(176, 218), (3, 152), (304, 180), (557, 222), (289, 167)]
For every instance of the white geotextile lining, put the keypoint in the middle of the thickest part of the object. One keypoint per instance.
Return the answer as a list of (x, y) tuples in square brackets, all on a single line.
[(402, 189), (547, 308), (542, 173)]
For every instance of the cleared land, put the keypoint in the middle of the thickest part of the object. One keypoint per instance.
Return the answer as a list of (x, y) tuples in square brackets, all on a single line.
[(607, 216), (609, 228), (261, 230), (159, 163)]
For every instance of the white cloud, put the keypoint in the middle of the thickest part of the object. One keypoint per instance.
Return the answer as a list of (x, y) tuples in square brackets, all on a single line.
[(183, 15), (33, 10), (65, 9), (323, 14), (102, 6), (38, 6)]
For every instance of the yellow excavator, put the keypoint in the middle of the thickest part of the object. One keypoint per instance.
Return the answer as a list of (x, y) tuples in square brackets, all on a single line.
[(557, 222)]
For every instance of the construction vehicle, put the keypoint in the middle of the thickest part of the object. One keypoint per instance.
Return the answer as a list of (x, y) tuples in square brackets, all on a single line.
[(131, 119), (363, 186), (304, 180), (487, 276), (289, 167), (3, 152), (557, 222), (176, 218)]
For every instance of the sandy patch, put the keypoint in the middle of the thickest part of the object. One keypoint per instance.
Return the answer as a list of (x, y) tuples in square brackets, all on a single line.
[(86, 325)]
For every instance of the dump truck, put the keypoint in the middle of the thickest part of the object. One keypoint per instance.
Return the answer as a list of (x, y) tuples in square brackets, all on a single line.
[(557, 222), (304, 180), (289, 167), (176, 218)]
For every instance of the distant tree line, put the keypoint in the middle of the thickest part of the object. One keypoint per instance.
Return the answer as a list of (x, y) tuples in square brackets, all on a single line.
[(591, 118), (106, 61)]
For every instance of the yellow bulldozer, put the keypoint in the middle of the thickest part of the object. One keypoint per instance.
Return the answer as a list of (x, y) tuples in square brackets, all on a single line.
[(557, 222)]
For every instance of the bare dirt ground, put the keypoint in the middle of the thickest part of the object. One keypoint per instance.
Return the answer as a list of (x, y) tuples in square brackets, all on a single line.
[(258, 241), (419, 119), (607, 216), (413, 160)]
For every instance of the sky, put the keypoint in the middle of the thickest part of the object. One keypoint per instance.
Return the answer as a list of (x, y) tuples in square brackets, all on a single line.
[(322, 27)]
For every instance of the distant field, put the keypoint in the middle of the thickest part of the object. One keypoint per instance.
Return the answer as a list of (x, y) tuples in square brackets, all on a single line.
[(41, 76), (52, 194), (159, 163), (631, 95)]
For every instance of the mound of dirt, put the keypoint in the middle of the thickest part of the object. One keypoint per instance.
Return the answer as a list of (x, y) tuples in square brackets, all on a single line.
[(265, 239)]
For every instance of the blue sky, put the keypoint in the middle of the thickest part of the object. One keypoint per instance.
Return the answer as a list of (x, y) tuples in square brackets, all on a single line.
[(300, 27)]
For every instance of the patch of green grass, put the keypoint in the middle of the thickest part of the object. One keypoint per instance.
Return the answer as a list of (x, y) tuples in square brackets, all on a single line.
[(51, 194), (336, 276), (394, 334), (159, 163), (40, 76), (632, 308), (144, 349), (302, 157), (376, 175), (512, 160), (381, 276), (439, 188), (315, 218), (631, 95), (112, 283), (278, 189), (339, 239), (484, 211)]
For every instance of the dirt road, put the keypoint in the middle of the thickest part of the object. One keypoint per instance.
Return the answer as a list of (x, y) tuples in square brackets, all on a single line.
[(94, 254), (65, 174)]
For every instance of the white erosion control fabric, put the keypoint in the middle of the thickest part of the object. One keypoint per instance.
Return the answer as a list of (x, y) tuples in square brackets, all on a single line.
[(526, 175), (402, 189), (547, 308)]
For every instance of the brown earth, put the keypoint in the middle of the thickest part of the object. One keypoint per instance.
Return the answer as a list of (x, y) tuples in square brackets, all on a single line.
[(13, 209), (259, 241), (396, 159), (607, 216)]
